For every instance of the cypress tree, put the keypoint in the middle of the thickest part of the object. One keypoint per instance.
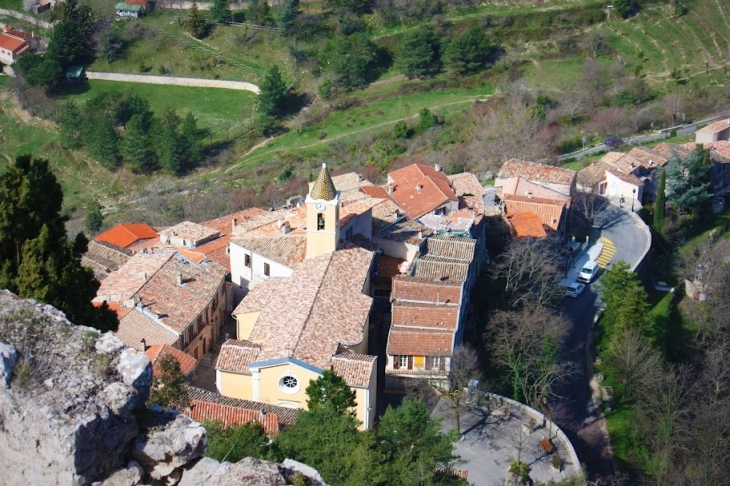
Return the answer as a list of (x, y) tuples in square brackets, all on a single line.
[(660, 203), (197, 23), (191, 139), (136, 147)]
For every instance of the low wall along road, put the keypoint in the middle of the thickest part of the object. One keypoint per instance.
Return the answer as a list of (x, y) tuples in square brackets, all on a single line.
[(174, 80)]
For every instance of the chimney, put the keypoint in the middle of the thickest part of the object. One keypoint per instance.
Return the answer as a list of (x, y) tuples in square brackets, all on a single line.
[(438, 277), (390, 188), (233, 224), (419, 187), (179, 280), (145, 277), (437, 167), (143, 345), (285, 228), (420, 234)]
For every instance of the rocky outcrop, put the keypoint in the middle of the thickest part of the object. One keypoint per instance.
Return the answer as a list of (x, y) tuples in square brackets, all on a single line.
[(72, 412)]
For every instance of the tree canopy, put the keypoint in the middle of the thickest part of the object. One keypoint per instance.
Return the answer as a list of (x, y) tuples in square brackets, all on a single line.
[(419, 53), (233, 443), (688, 180), (352, 59), (330, 388), (273, 96), (38, 259), (468, 52), (170, 389), (624, 297), (220, 11)]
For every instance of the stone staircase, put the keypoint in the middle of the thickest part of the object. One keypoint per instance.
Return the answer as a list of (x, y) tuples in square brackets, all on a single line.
[(208, 360)]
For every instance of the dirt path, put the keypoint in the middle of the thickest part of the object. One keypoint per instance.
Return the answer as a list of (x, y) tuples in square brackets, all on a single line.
[(174, 80)]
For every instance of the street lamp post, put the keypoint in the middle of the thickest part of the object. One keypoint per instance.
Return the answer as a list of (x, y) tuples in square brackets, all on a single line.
[(633, 198)]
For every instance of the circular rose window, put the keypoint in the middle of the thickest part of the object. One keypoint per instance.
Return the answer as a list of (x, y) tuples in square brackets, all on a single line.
[(289, 384)]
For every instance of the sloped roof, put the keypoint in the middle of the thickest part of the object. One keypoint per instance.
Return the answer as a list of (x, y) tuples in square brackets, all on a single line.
[(628, 178), (258, 297), (224, 224), (523, 187), (356, 369), (438, 267), (667, 149), (418, 289), (419, 189), (323, 187), (406, 230), (536, 172), (647, 157), (287, 416), (527, 225), (157, 351), (124, 235), (285, 249), (135, 325), (549, 211), (11, 43), (188, 230), (425, 315), (229, 415), (451, 247), (130, 277), (716, 127), (469, 190), (235, 356), (419, 342), (593, 174), (319, 307)]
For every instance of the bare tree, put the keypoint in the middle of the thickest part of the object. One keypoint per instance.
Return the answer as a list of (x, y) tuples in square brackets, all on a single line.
[(454, 388), (673, 104), (594, 41), (575, 104), (527, 345), (519, 439), (530, 272), (589, 204), (634, 361)]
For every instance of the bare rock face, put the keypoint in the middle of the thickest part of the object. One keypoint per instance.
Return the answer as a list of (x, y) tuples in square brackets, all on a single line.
[(8, 358), (246, 472), (64, 420)]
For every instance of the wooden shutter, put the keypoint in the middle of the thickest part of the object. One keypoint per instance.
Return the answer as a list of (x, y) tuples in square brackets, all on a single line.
[(396, 362), (410, 362)]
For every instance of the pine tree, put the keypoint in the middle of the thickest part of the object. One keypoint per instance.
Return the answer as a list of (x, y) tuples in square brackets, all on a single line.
[(468, 52), (70, 125), (191, 137), (272, 97), (94, 219), (259, 12), (220, 12), (419, 53), (197, 23), (169, 149), (660, 203), (102, 140), (136, 147), (38, 260), (287, 13)]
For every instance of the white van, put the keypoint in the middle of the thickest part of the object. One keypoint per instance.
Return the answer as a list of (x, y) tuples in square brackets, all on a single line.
[(588, 272)]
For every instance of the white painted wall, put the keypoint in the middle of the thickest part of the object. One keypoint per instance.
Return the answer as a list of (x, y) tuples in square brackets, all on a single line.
[(618, 188), (242, 275)]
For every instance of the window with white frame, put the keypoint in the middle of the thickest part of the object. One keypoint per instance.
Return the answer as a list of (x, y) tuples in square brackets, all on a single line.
[(289, 383)]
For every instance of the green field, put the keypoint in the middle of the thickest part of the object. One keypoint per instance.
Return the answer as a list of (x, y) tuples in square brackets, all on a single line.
[(224, 111)]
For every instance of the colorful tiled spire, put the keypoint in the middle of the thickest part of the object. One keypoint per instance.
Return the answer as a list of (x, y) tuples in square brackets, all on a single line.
[(323, 187)]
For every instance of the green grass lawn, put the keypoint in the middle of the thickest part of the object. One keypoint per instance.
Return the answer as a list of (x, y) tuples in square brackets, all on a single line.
[(354, 122), (224, 111), (12, 5)]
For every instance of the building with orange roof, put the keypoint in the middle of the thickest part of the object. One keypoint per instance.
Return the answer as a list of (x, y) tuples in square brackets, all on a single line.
[(551, 213), (13, 44), (557, 179), (127, 235), (420, 189), (713, 132), (158, 351), (526, 225)]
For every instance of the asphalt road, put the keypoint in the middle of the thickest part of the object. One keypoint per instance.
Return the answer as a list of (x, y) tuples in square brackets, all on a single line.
[(574, 412)]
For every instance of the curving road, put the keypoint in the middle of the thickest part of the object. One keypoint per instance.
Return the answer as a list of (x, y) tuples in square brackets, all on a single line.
[(575, 413)]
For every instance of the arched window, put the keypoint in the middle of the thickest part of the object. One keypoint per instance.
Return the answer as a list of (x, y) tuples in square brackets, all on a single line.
[(320, 221)]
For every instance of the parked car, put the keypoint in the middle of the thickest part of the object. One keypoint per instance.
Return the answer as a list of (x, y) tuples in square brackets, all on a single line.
[(588, 272), (574, 289), (612, 142)]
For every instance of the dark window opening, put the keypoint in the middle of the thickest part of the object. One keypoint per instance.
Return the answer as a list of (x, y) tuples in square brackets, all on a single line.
[(267, 269), (320, 221), (247, 261)]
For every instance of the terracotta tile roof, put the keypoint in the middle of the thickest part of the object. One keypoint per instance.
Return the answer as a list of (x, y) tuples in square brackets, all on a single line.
[(130, 277), (667, 149), (375, 191), (229, 415), (719, 151), (716, 127), (258, 297), (461, 220), (141, 3), (536, 172), (419, 342), (417, 289), (188, 230), (323, 187), (352, 181), (11, 43), (216, 250), (594, 174), (469, 190), (136, 325), (124, 235), (287, 416), (549, 211), (526, 225), (444, 268), (523, 187), (419, 189), (388, 267), (648, 158), (157, 351), (179, 305), (356, 369), (224, 224), (325, 307), (100, 271), (451, 247), (384, 214), (235, 356), (425, 315), (628, 178), (285, 249)]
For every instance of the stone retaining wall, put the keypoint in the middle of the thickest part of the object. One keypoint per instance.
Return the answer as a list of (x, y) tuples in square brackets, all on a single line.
[(28, 18), (174, 80)]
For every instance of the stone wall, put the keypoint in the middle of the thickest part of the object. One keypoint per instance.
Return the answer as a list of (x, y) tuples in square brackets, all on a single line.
[(28, 18)]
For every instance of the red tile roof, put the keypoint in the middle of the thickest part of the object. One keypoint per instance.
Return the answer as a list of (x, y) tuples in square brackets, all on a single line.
[(716, 127), (157, 351), (419, 342), (549, 211), (536, 172), (425, 315), (136, 325), (419, 189), (375, 191), (417, 289), (224, 224), (124, 235), (236, 355), (229, 415), (11, 43), (356, 369), (526, 225)]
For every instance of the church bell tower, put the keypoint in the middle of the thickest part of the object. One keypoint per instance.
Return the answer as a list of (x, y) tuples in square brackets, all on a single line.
[(323, 215)]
